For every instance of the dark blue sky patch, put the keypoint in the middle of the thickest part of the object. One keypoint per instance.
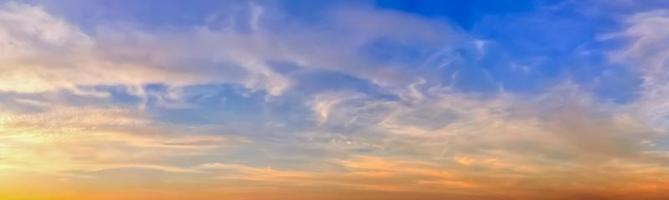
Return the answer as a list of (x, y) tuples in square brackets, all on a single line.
[(465, 13)]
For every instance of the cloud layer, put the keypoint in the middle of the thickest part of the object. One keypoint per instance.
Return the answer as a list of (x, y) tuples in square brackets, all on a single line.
[(268, 100)]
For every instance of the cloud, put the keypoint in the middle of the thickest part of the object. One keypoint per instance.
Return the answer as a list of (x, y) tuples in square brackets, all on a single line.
[(645, 52), (66, 140), (562, 135), (42, 52), (392, 122), (118, 54)]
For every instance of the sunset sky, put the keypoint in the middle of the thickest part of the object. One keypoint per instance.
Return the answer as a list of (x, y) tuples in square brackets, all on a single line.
[(334, 100)]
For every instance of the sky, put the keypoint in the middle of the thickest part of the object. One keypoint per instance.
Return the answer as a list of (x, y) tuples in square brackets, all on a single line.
[(350, 99)]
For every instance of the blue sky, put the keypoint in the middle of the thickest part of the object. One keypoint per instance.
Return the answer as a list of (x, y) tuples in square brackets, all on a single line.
[(459, 99)]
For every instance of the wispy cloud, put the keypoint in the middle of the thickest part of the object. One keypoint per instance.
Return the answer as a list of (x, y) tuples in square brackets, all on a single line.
[(265, 100)]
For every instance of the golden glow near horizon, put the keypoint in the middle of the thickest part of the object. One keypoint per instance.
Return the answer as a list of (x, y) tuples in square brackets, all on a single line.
[(237, 107)]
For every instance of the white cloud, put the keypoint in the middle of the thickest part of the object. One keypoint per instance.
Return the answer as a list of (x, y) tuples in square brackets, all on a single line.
[(647, 53), (42, 53)]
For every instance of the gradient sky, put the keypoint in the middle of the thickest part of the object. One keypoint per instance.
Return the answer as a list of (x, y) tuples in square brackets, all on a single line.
[(355, 100)]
